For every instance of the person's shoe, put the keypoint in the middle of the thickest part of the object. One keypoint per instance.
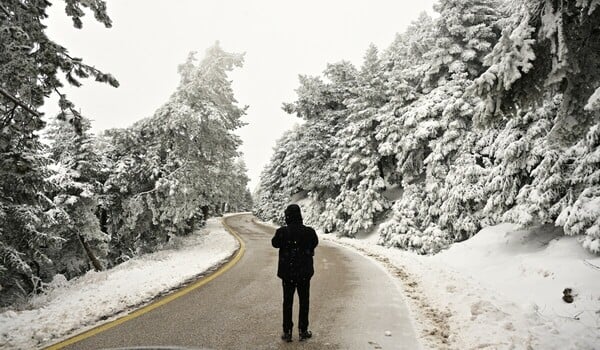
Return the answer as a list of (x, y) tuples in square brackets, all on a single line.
[(305, 335), (287, 336)]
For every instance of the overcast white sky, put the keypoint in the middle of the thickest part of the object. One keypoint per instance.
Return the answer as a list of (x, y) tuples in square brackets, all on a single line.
[(281, 39)]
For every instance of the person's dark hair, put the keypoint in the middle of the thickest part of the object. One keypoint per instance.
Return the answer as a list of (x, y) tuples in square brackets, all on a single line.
[(293, 214)]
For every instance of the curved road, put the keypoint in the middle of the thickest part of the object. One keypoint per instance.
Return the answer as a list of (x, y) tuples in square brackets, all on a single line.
[(353, 303)]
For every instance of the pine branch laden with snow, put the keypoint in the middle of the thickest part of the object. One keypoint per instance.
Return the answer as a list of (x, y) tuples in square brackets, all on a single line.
[(517, 150), (582, 214), (593, 103), (510, 58), (465, 33), (405, 230)]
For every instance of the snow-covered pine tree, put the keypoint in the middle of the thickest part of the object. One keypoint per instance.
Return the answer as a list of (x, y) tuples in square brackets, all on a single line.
[(24, 236), (436, 131), (581, 215), (236, 196), (405, 69), (538, 86), (404, 62), (462, 196), (30, 68), (461, 37), (465, 32), (454, 168), (547, 48), (358, 164), (130, 172), (76, 188), (173, 168), (323, 105), (436, 126), (301, 165), (271, 195), (523, 161), (405, 230)]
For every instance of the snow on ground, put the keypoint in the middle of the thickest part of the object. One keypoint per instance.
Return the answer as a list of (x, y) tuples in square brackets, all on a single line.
[(501, 289), (73, 306)]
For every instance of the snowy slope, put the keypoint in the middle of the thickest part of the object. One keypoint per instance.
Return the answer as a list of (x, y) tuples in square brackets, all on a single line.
[(501, 289), (73, 306)]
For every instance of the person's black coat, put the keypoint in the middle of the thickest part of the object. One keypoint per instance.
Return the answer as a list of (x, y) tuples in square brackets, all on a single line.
[(296, 244)]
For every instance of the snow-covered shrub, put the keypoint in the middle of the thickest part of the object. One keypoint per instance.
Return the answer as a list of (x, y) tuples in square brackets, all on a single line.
[(518, 167), (463, 197), (406, 230), (582, 216)]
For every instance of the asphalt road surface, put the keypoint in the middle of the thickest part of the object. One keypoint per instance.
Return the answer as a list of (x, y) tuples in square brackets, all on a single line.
[(353, 303)]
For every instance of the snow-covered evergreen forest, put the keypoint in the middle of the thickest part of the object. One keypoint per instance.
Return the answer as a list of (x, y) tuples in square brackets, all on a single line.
[(488, 112), (72, 201)]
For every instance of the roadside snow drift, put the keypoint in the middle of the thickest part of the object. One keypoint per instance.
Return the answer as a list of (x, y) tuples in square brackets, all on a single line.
[(501, 289), (73, 306)]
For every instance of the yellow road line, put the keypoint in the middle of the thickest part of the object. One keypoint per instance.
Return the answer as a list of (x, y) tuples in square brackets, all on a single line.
[(162, 301)]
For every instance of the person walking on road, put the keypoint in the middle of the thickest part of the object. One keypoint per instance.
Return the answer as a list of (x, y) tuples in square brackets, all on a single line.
[(296, 244)]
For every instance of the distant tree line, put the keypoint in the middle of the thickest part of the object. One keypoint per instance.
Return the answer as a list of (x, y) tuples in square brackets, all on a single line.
[(80, 201), (487, 113)]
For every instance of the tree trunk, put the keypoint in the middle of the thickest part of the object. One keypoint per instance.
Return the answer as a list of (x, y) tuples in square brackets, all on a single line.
[(102, 215), (90, 254), (18, 102), (205, 212)]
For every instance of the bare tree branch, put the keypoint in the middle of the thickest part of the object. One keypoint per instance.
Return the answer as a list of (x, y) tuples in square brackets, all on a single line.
[(18, 102), (4, 10), (166, 176), (591, 265), (9, 115)]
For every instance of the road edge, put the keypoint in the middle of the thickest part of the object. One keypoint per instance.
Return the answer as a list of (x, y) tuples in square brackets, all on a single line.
[(230, 262)]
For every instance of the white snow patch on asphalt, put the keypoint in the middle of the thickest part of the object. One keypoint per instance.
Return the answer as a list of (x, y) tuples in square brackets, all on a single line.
[(70, 307)]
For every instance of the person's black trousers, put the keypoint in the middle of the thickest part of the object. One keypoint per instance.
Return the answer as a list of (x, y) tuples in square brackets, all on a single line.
[(289, 288)]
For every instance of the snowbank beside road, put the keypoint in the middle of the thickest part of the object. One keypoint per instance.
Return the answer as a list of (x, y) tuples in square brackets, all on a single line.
[(501, 289), (71, 306)]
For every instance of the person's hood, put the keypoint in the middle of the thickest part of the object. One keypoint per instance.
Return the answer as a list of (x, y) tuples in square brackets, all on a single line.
[(293, 214)]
